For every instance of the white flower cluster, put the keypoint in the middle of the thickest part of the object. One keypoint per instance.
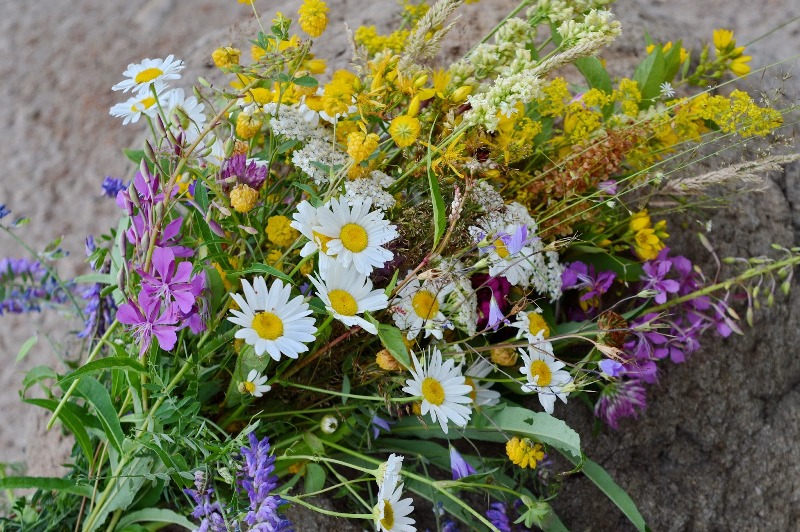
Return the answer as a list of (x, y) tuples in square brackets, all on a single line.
[(324, 153), (522, 86), (372, 187), (488, 60), (290, 122), (596, 25)]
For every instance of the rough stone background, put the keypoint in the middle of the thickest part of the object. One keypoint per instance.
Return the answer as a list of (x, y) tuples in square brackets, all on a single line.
[(717, 447)]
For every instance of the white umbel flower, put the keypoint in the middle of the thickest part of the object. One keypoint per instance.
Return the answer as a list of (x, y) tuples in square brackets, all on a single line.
[(391, 514), (544, 373), (255, 384), (481, 394), (141, 75), (356, 234), (347, 294), (418, 308), (270, 322), (444, 391)]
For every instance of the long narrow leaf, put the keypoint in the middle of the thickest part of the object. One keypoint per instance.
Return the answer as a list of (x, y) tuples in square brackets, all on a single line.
[(97, 395), (74, 418), (45, 483), (96, 366), (155, 515)]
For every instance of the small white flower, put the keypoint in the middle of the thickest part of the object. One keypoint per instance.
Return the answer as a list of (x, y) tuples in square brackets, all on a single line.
[(481, 394), (444, 391), (666, 90), (389, 471), (141, 75), (419, 308), (270, 322), (190, 106), (356, 234), (544, 373), (134, 107), (347, 294), (530, 324), (254, 384), (328, 424)]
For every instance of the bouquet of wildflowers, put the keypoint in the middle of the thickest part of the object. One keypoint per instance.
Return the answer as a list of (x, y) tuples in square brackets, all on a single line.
[(382, 281)]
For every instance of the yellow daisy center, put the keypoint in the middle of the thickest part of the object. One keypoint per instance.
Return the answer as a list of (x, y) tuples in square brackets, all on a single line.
[(388, 515), (268, 326), (473, 394), (425, 304), (432, 391), (322, 241), (536, 323), (343, 303), (539, 368), (249, 387), (500, 248), (148, 74), (354, 238)]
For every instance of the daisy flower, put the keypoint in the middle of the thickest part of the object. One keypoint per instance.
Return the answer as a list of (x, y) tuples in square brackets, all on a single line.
[(305, 220), (444, 391), (356, 234), (141, 75), (544, 373), (419, 308), (255, 384), (530, 324), (270, 322), (134, 107), (191, 108), (391, 514), (481, 394), (347, 294)]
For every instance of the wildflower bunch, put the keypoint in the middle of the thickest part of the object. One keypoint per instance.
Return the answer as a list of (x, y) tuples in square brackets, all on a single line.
[(344, 263)]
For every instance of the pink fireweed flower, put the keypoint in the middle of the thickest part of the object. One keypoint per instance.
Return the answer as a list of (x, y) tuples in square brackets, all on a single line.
[(146, 322), (170, 283)]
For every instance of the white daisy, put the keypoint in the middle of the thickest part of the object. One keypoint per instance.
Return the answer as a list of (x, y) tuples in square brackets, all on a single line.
[(544, 373), (347, 294), (255, 384), (389, 471), (444, 391), (481, 394), (356, 235), (141, 75), (271, 323), (530, 324), (305, 220), (419, 307), (190, 106), (391, 514), (134, 107)]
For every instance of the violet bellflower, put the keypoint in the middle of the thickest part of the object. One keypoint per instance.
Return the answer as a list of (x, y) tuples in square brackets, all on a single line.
[(146, 320), (378, 424), (210, 513), (458, 466), (258, 481), (112, 186), (99, 310), (488, 288)]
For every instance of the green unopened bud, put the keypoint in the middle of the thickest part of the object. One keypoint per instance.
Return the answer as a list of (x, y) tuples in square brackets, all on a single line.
[(230, 144), (159, 210), (749, 316), (122, 280), (197, 94), (770, 299), (148, 151), (729, 260), (134, 196), (785, 287)]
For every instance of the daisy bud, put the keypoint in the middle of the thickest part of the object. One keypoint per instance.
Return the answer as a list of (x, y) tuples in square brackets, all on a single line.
[(329, 424)]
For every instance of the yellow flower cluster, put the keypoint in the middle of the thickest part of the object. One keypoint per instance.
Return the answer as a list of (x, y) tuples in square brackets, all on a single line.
[(648, 239), (739, 114), (524, 453), (313, 17), (404, 130), (226, 56), (280, 232), (243, 198), (628, 96), (247, 126), (338, 94), (555, 96), (726, 49), (667, 47), (360, 145), (368, 37)]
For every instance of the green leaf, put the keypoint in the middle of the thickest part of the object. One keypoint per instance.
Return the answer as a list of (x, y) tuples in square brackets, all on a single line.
[(314, 443), (122, 493), (672, 62), (29, 343), (37, 375), (286, 146), (650, 75), (345, 388), (262, 268), (45, 483), (97, 395), (305, 81), (97, 366), (603, 480), (314, 478), (100, 278), (134, 155), (74, 418), (201, 195), (155, 515), (392, 339), (439, 215), (307, 189), (596, 76)]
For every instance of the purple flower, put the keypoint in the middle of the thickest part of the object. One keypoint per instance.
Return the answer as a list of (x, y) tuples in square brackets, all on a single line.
[(258, 481), (379, 424), (498, 517), (112, 186), (607, 187), (579, 275), (99, 311), (236, 168), (458, 466), (486, 288), (612, 368), (496, 316), (620, 399), (513, 242), (654, 278), (4, 210), (170, 283), (146, 322), (210, 514)]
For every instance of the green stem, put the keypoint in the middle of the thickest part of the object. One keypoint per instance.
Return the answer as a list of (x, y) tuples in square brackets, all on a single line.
[(324, 459), (348, 395), (310, 506), (74, 384)]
